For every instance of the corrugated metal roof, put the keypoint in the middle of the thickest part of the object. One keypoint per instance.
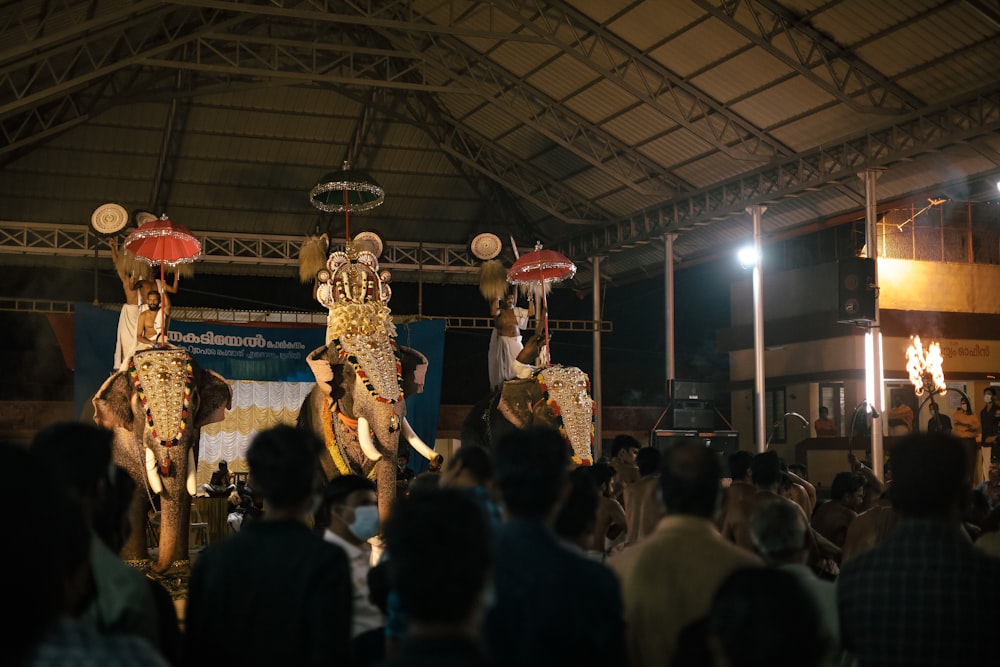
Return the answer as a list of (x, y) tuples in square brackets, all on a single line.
[(562, 121)]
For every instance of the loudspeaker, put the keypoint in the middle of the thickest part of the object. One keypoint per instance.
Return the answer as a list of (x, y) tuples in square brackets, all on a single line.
[(689, 390), (693, 415), (856, 290)]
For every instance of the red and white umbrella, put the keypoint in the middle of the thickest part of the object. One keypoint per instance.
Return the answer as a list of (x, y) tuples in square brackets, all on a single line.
[(165, 242), (541, 266)]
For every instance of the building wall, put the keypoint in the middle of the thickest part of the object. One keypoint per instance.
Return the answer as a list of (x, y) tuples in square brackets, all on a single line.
[(916, 289)]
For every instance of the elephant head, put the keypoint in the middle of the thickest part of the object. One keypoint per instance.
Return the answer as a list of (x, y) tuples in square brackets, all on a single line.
[(556, 396), (358, 408), (157, 409)]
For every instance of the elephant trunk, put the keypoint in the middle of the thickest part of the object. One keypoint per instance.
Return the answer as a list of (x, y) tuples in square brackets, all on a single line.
[(385, 484)]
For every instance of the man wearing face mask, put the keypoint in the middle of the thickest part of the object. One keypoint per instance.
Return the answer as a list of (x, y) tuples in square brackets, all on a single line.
[(348, 517)]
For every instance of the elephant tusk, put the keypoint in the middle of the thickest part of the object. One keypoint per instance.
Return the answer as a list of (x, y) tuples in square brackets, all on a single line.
[(192, 482), (152, 474), (416, 442), (365, 440)]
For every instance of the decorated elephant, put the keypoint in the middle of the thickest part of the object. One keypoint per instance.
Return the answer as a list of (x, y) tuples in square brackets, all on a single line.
[(556, 396), (157, 408), (362, 377)]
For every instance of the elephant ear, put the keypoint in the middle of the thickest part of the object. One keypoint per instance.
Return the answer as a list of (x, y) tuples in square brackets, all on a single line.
[(414, 365), (216, 398), (113, 402), (516, 400), (328, 371)]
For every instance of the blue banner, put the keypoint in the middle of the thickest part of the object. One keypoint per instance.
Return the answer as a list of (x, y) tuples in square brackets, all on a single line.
[(249, 352)]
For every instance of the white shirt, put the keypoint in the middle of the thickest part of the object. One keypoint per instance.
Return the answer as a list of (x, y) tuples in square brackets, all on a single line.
[(366, 615)]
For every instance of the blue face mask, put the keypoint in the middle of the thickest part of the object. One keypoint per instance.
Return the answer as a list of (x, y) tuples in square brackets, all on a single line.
[(365, 525)]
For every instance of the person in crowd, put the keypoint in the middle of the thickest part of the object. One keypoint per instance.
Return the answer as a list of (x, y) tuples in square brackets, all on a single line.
[(535, 354), (900, 417), (824, 426), (643, 509), (765, 476), (925, 595), (737, 486), (873, 487), (77, 457), (348, 517), (937, 423), (52, 579), (505, 341), (368, 648), (966, 427), (833, 517), (767, 617), (624, 449), (440, 557), (668, 580), (552, 606), (800, 490), (989, 423), (577, 516), (286, 591), (991, 487), (780, 535), (610, 527), (471, 469)]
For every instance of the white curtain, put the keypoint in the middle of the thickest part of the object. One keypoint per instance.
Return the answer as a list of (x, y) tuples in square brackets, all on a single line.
[(256, 406)]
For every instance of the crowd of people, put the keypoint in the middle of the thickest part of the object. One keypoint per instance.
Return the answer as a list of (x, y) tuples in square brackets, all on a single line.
[(510, 556)]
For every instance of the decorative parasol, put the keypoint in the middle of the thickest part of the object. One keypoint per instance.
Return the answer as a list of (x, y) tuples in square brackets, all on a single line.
[(544, 267), (165, 242), (348, 191)]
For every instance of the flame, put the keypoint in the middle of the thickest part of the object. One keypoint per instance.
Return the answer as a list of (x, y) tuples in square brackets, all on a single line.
[(925, 367)]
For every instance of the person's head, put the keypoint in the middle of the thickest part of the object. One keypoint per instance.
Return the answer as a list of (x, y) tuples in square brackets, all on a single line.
[(440, 555), (425, 481), (964, 406), (624, 448), (989, 394), (824, 412), (604, 476), (690, 479), (402, 459), (153, 300), (848, 488), (649, 460), (531, 467), (77, 457), (349, 508), (113, 522), (933, 407), (48, 558), (765, 616), (509, 299), (739, 464), (799, 469), (578, 514), (284, 462), (779, 532), (470, 465), (928, 476), (765, 469), (223, 466)]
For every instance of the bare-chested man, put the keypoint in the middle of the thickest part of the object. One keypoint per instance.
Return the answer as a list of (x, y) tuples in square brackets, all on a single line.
[(135, 288), (624, 449), (150, 330), (643, 507), (610, 527), (739, 488), (832, 518), (505, 341)]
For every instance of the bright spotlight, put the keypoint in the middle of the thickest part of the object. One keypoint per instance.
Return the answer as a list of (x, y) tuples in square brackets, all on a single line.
[(748, 257), (998, 185)]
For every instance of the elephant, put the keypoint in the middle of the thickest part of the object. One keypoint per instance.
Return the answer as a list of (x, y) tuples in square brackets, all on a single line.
[(156, 408), (358, 409), (555, 396)]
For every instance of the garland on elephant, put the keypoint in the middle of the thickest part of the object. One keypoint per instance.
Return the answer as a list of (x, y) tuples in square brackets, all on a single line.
[(330, 438)]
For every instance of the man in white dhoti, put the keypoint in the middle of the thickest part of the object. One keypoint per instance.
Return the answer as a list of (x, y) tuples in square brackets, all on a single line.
[(135, 288), (505, 341)]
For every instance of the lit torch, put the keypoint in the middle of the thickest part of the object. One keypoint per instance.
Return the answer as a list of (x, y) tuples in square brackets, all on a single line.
[(925, 367)]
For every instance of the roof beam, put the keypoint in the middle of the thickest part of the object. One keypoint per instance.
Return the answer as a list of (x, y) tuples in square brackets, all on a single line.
[(812, 54), (641, 76), (921, 132)]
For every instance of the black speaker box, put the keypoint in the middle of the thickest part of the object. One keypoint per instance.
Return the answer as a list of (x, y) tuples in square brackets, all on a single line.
[(689, 390), (856, 290)]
